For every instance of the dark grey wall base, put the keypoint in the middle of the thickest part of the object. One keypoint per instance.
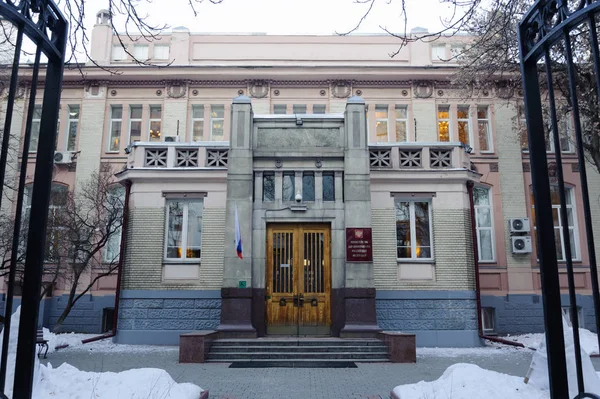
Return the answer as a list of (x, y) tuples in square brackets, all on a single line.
[(522, 314), (447, 338), (158, 337)]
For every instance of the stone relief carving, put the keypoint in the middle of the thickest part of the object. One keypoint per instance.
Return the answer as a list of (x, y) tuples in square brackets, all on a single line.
[(341, 89), (504, 91), (259, 89), (176, 89), (423, 89)]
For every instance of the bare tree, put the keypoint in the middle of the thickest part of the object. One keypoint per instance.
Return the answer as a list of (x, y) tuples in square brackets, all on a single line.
[(85, 236)]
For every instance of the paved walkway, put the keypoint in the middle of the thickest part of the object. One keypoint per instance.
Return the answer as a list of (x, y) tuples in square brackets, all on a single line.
[(372, 381)]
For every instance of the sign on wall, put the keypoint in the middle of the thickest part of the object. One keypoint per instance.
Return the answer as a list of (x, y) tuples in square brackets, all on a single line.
[(359, 244)]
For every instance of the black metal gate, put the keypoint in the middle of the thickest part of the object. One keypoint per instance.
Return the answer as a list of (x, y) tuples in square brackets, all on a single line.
[(41, 23), (560, 65)]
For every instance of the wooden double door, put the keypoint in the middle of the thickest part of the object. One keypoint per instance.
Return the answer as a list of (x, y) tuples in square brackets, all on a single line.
[(298, 279)]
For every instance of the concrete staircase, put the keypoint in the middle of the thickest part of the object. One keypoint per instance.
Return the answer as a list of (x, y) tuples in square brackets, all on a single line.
[(297, 350)]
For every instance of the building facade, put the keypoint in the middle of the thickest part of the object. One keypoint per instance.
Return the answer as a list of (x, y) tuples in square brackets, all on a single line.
[(352, 179)]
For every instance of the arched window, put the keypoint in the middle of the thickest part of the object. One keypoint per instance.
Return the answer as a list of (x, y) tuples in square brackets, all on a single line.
[(571, 221)]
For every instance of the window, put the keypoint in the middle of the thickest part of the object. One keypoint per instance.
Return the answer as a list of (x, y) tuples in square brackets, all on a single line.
[(483, 125), (443, 116), (115, 198), (558, 222), (381, 123), (288, 188), (135, 123), (438, 52), (413, 229), (299, 108), (72, 124), (116, 113), (118, 53), (268, 187), (565, 133), (523, 129), (462, 116), (217, 119), (308, 186), (140, 52), (319, 108), (484, 223), (35, 128), (155, 122), (488, 320), (197, 122), (161, 51), (280, 109), (456, 51), (184, 229), (328, 186), (401, 123)]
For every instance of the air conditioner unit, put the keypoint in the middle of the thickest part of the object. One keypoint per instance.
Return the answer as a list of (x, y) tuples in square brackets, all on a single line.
[(519, 225), (63, 157), (521, 245), (171, 139)]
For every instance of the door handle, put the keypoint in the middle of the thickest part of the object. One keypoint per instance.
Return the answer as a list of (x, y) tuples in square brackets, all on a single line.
[(296, 300), (301, 300)]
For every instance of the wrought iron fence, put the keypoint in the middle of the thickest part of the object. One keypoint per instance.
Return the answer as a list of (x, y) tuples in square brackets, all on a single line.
[(41, 23), (559, 54)]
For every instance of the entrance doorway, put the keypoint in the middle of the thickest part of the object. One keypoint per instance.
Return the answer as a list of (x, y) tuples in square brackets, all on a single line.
[(298, 279)]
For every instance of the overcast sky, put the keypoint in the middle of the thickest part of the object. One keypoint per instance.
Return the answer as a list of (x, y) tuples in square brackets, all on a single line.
[(286, 16)]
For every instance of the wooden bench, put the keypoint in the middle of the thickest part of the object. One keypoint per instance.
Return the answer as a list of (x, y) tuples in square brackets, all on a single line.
[(41, 342)]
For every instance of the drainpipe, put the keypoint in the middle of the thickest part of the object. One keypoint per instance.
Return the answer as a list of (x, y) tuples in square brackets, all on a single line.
[(111, 334), (470, 186)]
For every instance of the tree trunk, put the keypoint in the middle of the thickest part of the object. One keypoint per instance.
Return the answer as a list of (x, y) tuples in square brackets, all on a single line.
[(70, 302)]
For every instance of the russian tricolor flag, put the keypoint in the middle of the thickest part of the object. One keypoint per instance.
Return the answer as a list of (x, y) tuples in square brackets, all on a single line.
[(238, 235)]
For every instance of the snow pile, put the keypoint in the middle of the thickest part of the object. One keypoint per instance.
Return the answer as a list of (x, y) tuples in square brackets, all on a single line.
[(468, 381), (589, 340), (64, 340), (68, 382)]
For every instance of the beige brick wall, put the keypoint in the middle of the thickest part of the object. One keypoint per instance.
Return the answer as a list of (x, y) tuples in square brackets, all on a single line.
[(512, 185), (594, 191), (143, 267), (425, 115), (175, 111), (454, 268), (93, 115)]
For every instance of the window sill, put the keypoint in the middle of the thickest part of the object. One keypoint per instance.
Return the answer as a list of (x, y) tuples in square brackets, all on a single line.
[(418, 260), (182, 261)]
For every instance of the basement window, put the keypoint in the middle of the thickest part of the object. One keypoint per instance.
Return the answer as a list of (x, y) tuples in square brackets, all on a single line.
[(488, 320)]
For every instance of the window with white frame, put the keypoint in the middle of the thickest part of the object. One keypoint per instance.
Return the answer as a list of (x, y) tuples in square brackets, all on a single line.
[(280, 109), (381, 123), (462, 117), (413, 229), (72, 127), (299, 108), (565, 134), (118, 53), (184, 229), (523, 129), (35, 128), (115, 198), (484, 223), (217, 121), (488, 320), (438, 52), (443, 117), (140, 52), (197, 122), (319, 108), (161, 51), (483, 126), (155, 122), (559, 238), (401, 123), (135, 123), (116, 118)]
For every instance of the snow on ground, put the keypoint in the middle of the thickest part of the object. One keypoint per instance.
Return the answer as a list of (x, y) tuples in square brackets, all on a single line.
[(67, 382), (468, 381), (106, 345), (589, 340), (487, 350), (67, 339)]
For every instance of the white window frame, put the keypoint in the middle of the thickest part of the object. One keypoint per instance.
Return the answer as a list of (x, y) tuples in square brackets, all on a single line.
[(398, 120), (491, 228), (438, 52), (150, 120), (523, 128), (161, 46), (466, 119), (132, 119), (216, 119), (184, 229), (566, 313), (113, 192), (71, 120), (36, 134), (280, 106), (568, 126), (488, 129), (110, 125), (448, 120), (118, 53), (413, 228), (386, 120), (141, 48), (484, 327), (197, 119)]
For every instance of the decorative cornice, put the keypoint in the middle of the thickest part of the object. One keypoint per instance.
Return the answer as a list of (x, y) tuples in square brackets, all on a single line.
[(387, 83)]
